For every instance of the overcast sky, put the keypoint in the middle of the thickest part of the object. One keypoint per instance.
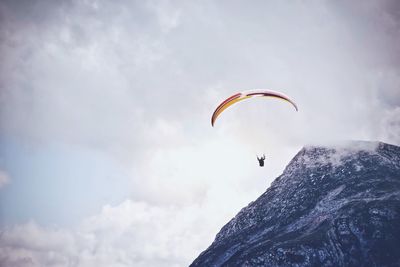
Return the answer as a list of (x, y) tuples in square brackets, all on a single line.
[(107, 154)]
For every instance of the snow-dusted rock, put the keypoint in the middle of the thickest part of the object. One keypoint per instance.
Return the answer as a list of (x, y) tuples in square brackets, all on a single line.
[(332, 206)]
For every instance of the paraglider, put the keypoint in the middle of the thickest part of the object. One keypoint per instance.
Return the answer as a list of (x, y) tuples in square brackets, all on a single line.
[(261, 160), (246, 95)]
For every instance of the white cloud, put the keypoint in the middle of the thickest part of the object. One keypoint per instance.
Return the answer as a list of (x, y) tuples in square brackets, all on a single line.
[(129, 234), (32, 245), (139, 81), (338, 153), (390, 125), (100, 78)]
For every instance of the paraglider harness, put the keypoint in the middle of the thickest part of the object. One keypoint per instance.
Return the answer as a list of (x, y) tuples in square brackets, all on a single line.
[(261, 160)]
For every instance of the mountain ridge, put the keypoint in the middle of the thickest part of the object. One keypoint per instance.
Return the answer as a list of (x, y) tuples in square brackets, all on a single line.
[(312, 212)]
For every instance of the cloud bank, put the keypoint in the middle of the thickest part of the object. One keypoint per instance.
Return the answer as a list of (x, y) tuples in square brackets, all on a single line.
[(130, 234), (138, 81)]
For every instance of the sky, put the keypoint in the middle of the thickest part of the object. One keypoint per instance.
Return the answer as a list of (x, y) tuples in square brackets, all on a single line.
[(107, 154)]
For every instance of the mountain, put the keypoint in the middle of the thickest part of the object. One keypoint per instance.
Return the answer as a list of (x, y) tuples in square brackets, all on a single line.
[(332, 206)]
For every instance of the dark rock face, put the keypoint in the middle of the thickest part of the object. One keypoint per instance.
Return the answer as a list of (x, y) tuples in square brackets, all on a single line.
[(332, 206)]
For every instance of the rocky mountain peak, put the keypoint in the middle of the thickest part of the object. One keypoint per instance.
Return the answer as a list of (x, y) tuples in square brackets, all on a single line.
[(336, 205)]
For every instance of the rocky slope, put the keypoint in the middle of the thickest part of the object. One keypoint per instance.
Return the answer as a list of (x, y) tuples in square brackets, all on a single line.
[(332, 206)]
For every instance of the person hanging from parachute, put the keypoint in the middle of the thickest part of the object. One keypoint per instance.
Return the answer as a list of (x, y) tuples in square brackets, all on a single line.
[(247, 95), (261, 160)]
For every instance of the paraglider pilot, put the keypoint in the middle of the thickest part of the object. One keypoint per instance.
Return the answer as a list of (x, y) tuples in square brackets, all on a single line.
[(261, 160)]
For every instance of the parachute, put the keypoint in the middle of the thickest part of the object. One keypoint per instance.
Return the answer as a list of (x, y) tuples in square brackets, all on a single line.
[(246, 95)]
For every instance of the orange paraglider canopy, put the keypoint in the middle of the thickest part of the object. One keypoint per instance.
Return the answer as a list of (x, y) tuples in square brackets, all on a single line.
[(246, 95)]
